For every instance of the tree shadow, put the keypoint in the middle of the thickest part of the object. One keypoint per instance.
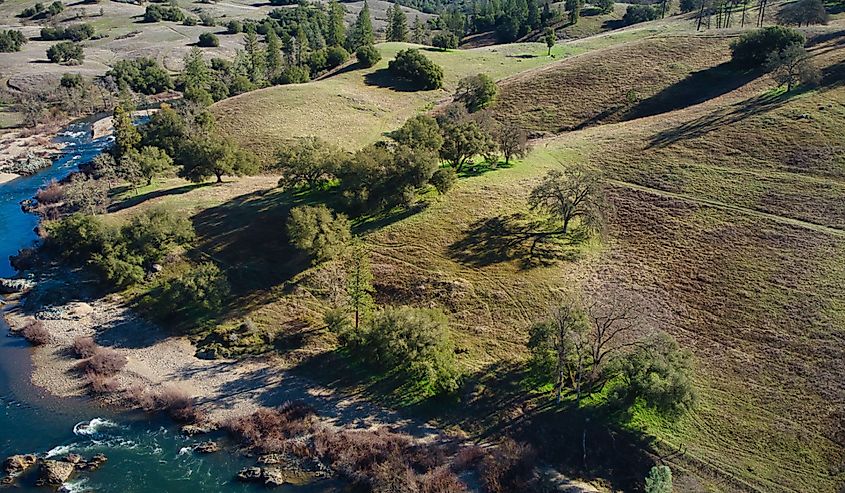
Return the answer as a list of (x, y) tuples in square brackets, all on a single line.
[(383, 78), (133, 201), (613, 24), (478, 169), (696, 88), (505, 238)]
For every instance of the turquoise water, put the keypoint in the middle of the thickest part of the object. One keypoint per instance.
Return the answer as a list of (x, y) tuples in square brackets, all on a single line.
[(145, 454)]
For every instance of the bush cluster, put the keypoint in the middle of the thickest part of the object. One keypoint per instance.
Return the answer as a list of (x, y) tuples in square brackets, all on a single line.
[(66, 52), (75, 32), (640, 13), (367, 55), (208, 40), (157, 13), (169, 399), (143, 75), (36, 333), (11, 40)]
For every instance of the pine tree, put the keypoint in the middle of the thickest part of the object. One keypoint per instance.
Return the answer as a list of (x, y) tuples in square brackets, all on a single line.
[(398, 23), (274, 55), (301, 44), (362, 31), (359, 285), (126, 136), (388, 30), (420, 35), (336, 35), (533, 14), (197, 78), (254, 58)]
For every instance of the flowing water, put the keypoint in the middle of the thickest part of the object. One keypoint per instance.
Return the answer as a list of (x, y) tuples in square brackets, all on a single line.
[(145, 454)]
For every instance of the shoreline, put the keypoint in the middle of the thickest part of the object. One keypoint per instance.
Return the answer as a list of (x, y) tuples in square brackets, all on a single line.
[(223, 388)]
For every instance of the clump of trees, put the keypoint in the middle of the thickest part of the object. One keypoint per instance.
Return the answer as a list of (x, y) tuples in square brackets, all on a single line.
[(11, 40), (75, 32), (445, 40), (66, 52), (754, 48), (309, 162), (39, 10), (640, 13), (417, 69), (156, 13), (397, 24), (142, 75), (585, 349), (803, 12), (120, 254), (202, 290)]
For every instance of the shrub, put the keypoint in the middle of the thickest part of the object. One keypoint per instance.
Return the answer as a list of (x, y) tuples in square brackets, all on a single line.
[(267, 430), (640, 13), (11, 40), (208, 40), (294, 75), (101, 384), (336, 55), (204, 287), (190, 21), (207, 19), (659, 480), (318, 232), (367, 55), (234, 27), (177, 403), (508, 467), (36, 333), (443, 179), (604, 6), (445, 40), (754, 48), (416, 68), (84, 347), (416, 344), (476, 92), (66, 52), (105, 362), (51, 194)]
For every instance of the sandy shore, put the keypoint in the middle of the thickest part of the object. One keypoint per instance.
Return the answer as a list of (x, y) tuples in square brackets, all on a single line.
[(6, 177), (15, 145), (223, 388)]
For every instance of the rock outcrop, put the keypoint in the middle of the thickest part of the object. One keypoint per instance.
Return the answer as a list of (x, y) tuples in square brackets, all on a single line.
[(55, 472), (16, 465)]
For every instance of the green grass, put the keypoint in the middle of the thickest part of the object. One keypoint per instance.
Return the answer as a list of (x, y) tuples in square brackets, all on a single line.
[(354, 108)]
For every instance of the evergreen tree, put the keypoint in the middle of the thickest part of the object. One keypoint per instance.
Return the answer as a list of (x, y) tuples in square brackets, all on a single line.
[(359, 284), (255, 59), (126, 136), (388, 30), (362, 31), (336, 34), (274, 55), (197, 78), (398, 23), (420, 35), (533, 15)]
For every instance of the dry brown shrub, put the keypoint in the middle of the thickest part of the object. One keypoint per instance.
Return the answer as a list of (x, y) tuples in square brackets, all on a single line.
[(268, 430), (105, 361), (101, 384), (508, 467), (84, 347), (141, 396), (178, 404), (468, 457), (440, 480), (36, 333), (51, 194)]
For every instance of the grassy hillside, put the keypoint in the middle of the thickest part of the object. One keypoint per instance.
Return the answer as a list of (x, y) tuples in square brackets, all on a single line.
[(357, 107), (727, 223)]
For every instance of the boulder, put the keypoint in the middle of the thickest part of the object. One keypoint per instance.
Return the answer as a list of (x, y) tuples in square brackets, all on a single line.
[(250, 474), (274, 476), (17, 464), (209, 447), (199, 428), (11, 286), (73, 458), (54, 472), (95, 462)]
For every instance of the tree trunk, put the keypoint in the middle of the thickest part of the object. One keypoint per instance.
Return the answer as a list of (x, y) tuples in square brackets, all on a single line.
[(219, 177)]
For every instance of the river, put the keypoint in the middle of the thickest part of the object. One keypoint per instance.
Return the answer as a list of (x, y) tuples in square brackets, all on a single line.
[(146, 454)]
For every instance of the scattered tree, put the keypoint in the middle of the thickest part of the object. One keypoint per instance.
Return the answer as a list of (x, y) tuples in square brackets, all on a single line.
[(512, 141), (792, 66), (421, 131), (462, 141), (397, 24), (205, 157), (310, 161), (550, 38), (754, 48), (208, 40), (362, 31), (803, 12), (11, 40), (368, 55), (476, 92), (445, 40), (574, 198), (416, 68), (66, 52), (640, 13)]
